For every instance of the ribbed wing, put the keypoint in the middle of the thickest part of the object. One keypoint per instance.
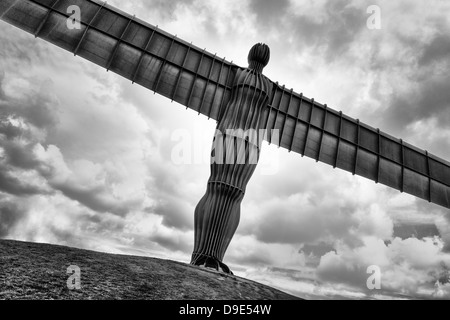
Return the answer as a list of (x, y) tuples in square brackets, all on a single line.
[(321, 133), (131, 48), (199, 80)]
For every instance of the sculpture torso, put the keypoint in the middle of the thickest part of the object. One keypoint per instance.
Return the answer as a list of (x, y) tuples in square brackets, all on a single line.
[(250, 96), (238, 137)]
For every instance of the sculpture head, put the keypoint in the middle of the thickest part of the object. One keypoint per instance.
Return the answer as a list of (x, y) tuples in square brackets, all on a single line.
[(258, 57)]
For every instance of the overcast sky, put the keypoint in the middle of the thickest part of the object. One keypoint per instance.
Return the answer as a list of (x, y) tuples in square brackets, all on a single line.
[(86, 158)]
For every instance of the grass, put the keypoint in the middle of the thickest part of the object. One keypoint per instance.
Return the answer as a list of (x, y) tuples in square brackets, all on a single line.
[(39, 271)]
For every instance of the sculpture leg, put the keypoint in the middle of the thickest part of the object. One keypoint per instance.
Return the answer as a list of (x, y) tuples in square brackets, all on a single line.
[(216, 220), (218, 212)]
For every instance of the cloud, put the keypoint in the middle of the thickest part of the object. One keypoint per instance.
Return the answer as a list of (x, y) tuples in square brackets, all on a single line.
[(318, 249), (308, 207), (61, 154), (19, 136), (411, 73), (335, 32), (24, 154), (15, 186), (419, 231), (248, 251), (10, 216), (85, 157), (328, 27), (407, 266), (167, 9), (436, 51), (92, 198), (269, 13), (172, 242), (429, 99)]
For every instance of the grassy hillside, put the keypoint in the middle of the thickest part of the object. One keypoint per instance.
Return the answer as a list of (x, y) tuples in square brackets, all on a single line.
[(39, 271)]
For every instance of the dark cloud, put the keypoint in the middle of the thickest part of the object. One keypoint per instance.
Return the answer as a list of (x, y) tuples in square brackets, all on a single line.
[(95, 198), (87, 224), (313, 252), (277, 227), (17, 143), (36, 106), (37, 109), (440, 146), (318, 249), (14, 186), (302, 209), (65, 236), (10, 215), (419, 231), (173, 211), (424, 92), (355, 275), (172, 242), (403, 270), (7, 128), (252, 259), (20, 155), (292, 274), (331, 35), (269, 13), (2, 92), (103, 223), (340, 272), (436, 51), (430, 99), (34, 109), (170, 198), (282, 224), (168, 9)]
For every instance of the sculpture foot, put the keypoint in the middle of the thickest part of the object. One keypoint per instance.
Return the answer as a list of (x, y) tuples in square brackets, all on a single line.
[(210, 262)]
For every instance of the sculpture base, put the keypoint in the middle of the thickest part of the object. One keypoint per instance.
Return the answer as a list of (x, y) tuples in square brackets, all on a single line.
[(210, 262)]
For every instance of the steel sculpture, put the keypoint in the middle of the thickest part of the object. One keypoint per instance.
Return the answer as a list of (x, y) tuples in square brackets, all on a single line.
[(239, 99)]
